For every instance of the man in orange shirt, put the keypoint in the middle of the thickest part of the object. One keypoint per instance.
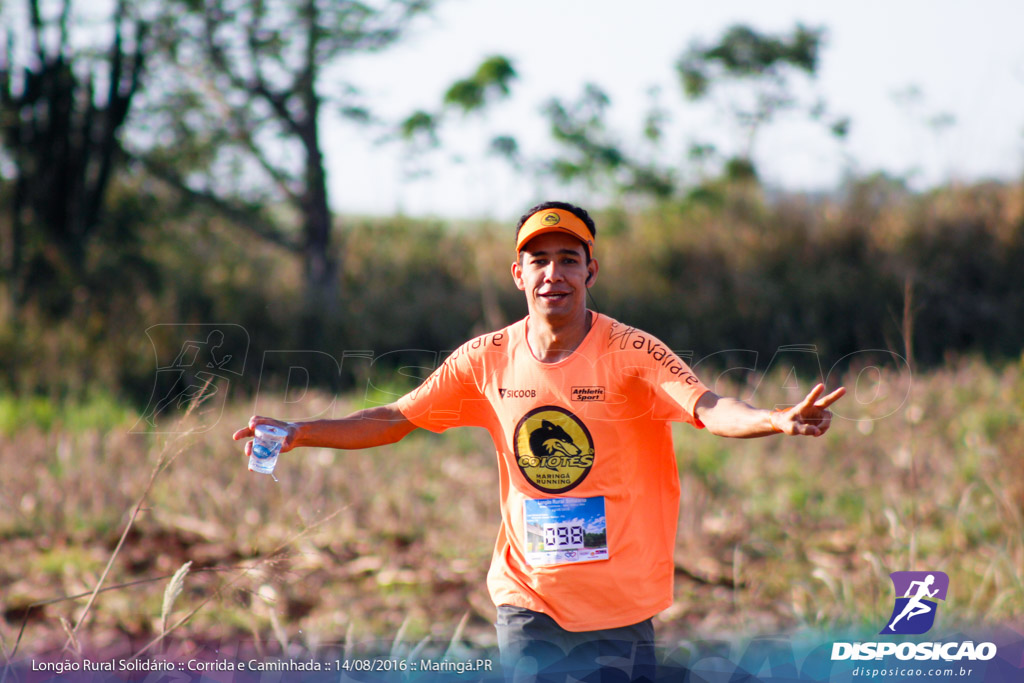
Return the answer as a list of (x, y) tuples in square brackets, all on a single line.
[(579, 408)]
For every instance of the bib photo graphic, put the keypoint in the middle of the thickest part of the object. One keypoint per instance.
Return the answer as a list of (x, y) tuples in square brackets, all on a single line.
[(565, 530)]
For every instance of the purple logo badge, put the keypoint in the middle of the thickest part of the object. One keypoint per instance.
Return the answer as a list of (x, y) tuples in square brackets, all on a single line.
[(917, 596)]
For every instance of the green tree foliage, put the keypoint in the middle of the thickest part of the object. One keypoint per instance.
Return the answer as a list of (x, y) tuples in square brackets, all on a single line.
[(756, 76), (757, 71), (248, 88), (744, 53), (591, 154), (491, 81), (63, 108), (494, 75), (581, 128)]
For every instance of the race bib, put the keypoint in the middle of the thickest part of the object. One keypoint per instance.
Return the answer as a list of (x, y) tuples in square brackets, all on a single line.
[(565, 530)]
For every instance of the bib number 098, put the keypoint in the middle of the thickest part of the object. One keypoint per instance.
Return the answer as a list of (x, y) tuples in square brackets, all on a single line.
[(563, 537)]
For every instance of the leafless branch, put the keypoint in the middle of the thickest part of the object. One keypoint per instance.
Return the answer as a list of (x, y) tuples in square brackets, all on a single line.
[(242, 216)]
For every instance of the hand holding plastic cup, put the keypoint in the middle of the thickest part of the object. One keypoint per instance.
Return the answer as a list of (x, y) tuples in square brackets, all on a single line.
[(266, 447)]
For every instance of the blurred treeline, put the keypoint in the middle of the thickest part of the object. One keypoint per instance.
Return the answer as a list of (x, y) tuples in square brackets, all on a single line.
[(744, 274), (172, 173)]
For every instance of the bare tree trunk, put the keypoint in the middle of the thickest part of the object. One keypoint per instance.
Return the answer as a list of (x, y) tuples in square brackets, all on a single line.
[(321, 269), (320, 266)]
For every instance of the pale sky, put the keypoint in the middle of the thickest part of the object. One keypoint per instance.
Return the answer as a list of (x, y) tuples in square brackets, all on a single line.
[(965, 59)]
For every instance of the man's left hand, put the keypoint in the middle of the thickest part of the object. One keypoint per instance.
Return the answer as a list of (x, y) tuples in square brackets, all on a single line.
[(810, 417)]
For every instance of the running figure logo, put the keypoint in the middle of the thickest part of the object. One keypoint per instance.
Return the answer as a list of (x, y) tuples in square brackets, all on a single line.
[(192, 365), (917, 596)]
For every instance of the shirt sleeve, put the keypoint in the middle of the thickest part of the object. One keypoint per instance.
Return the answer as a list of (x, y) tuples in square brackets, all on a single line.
[(450, 397), (675, 387), (684, 389)]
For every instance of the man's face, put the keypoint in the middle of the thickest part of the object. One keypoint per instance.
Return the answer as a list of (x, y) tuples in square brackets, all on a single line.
[(553, 272)]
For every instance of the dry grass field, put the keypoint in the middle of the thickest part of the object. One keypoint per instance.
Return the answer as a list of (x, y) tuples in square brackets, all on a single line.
[(391, 545)]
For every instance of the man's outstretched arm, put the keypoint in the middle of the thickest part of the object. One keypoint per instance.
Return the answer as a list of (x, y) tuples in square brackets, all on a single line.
[(363, 429), (732, 417)]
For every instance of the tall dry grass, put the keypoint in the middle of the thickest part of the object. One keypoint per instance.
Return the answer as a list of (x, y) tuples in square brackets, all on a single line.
[(391, 545)]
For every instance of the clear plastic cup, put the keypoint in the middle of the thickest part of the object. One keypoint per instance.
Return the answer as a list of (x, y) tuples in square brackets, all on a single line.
[(266, 447)]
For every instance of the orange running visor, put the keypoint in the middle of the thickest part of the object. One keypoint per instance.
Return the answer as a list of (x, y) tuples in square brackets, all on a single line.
[(555, 220)]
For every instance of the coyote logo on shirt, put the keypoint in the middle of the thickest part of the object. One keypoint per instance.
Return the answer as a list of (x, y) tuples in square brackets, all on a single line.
[(554, 449), (551, 439)]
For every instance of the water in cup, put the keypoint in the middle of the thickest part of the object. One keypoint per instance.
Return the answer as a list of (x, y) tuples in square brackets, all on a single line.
[(266, 447)]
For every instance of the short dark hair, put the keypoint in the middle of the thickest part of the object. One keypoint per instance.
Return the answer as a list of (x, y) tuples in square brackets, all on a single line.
[(565, 206)]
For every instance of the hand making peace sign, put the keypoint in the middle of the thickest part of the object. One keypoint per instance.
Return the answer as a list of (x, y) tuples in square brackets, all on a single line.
[(810, 417)]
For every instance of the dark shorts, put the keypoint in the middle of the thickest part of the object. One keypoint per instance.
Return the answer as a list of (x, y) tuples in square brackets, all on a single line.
[(534, 648)]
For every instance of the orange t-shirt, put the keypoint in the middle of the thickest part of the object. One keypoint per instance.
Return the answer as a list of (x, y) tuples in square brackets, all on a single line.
[(588, 480)]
